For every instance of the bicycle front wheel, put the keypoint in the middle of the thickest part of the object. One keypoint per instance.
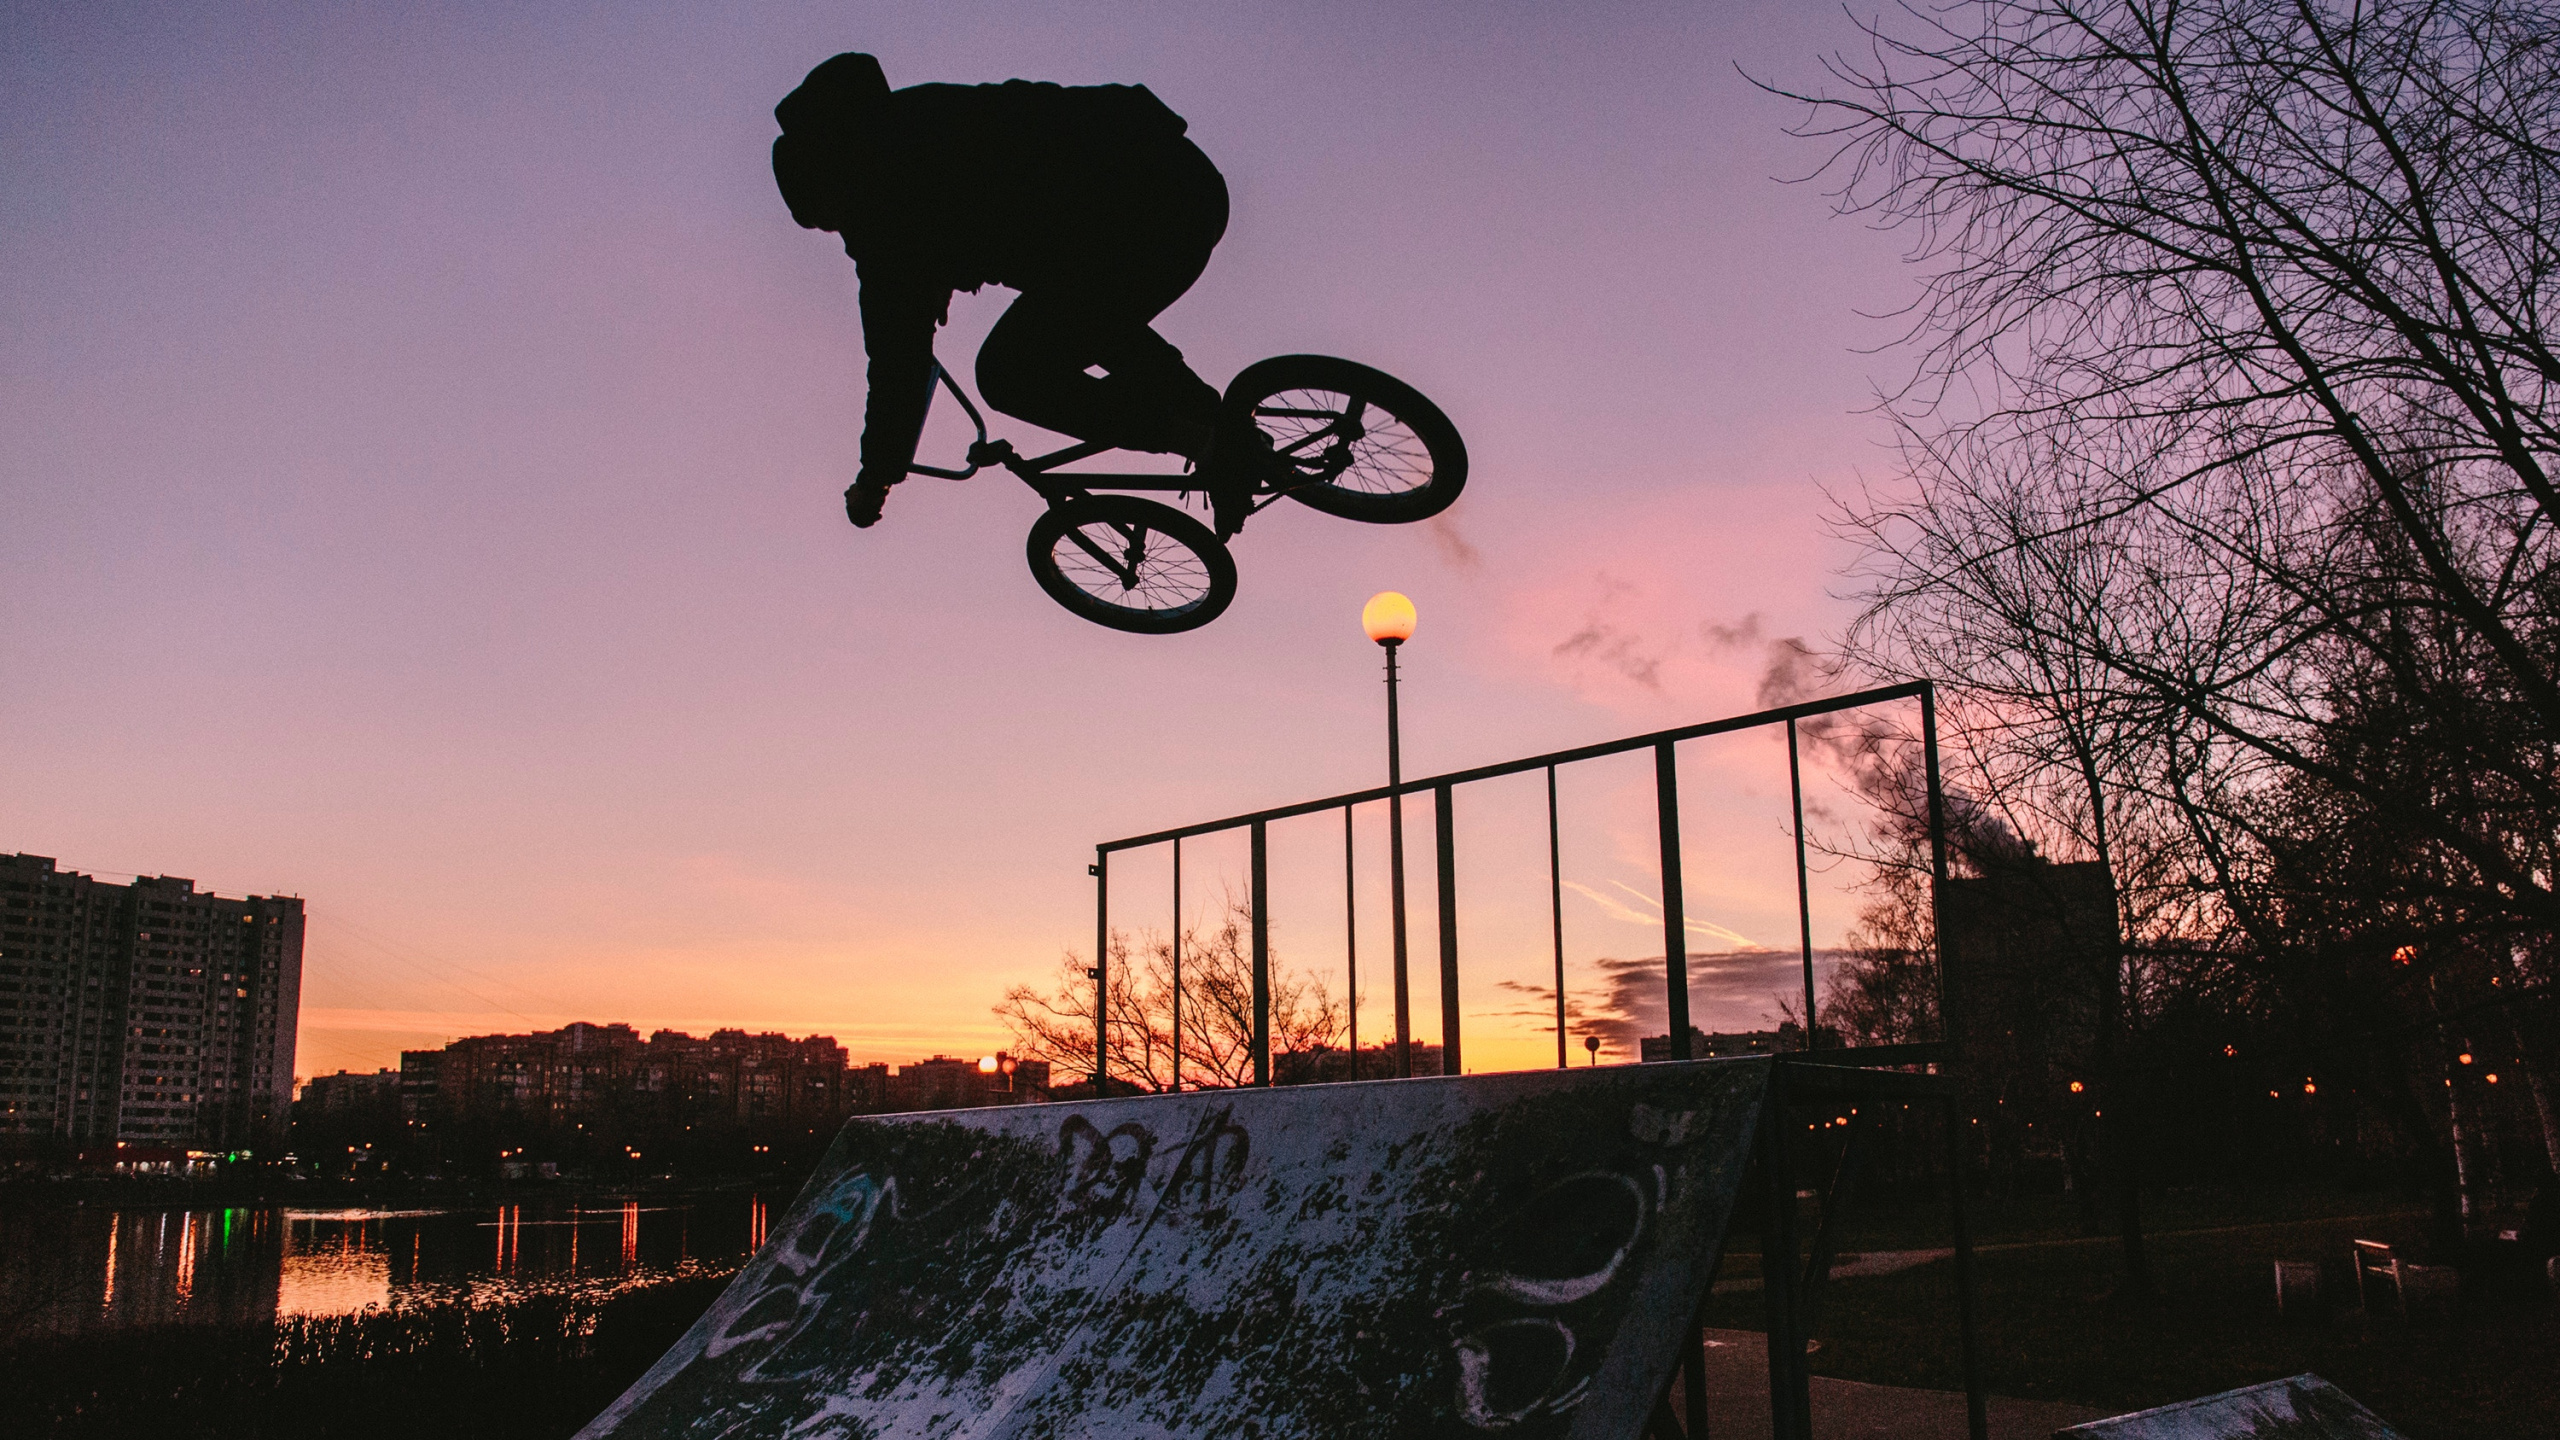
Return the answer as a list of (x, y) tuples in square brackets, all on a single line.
[(1132, 564), (1364, 445)]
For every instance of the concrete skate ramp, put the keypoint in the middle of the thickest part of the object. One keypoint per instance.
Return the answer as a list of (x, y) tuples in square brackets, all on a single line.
[(2305, 1407), (1501, 1253)]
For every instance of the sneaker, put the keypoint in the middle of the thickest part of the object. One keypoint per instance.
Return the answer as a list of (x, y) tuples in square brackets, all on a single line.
[(1230, 501), (1242, 465), (862, 504)]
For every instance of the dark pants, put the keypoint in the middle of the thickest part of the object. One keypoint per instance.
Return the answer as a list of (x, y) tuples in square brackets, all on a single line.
[(1122, 261)]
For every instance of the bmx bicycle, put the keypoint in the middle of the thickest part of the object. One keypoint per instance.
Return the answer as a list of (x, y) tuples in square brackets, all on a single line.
[(1342, 438)]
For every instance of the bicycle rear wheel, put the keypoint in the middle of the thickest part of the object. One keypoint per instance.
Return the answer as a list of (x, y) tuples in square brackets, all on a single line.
[(1132, 564), (1364, 445)]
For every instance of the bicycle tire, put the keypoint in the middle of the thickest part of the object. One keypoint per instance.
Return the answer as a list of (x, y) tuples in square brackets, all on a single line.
[(1409, 469), (1164, 589)]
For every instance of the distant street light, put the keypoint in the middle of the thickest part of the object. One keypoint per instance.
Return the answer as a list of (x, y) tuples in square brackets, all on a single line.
[(1388, 618)]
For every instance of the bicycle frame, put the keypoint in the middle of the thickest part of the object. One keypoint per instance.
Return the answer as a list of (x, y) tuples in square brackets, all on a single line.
[(1035, 470)]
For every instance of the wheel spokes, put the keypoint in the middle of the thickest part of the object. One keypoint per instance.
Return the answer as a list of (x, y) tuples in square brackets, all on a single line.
[(1132, 567), (1328, 434), (1127, 566)]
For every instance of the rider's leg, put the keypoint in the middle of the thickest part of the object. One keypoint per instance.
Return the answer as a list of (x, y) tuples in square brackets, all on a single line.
[(1118, 263), (1036, 365)]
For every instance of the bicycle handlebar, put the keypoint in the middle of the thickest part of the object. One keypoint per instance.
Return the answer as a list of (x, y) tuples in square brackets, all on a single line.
[(980, 421)]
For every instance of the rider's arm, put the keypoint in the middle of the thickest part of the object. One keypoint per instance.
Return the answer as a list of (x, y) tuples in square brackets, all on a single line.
[(899, 314)]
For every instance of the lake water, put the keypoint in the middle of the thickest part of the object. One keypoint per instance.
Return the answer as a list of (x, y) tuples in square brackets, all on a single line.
[(67, 1271)]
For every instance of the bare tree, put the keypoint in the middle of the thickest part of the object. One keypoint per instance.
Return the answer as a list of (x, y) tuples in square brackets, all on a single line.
[(1216, 1038), (2233, 381), (2232, 269)]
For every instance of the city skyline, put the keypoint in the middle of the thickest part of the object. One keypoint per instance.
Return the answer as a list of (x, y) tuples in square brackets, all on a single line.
[(480, 498)]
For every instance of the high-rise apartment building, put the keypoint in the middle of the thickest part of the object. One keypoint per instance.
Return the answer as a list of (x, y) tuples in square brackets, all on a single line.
[(146, 1013)]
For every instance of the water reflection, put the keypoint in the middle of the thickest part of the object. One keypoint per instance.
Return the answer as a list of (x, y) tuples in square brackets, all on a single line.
[(76, 1270)]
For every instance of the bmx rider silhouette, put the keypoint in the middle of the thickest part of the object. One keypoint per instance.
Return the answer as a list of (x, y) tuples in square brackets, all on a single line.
[(1088, 200)]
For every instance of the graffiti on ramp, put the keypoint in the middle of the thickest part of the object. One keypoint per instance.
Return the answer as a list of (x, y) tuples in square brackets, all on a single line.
[(1511, 1255)]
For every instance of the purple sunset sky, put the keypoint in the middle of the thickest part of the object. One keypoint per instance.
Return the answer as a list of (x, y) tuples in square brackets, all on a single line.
[(423, 427)]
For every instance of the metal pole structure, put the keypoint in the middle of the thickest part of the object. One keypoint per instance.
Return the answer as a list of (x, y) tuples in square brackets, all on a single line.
[(1675, 920), (1693, 1375), (1261, 956), (1555, 906), (1937, 838), (1101, 868), (1177, 964), (1395, 872), (1788, 1384), (1351, 939), (1804, 898), (1444, 822), (1977, 1398)]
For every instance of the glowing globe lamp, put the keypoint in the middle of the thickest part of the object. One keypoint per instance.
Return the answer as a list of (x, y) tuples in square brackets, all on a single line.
[(1388, 617)]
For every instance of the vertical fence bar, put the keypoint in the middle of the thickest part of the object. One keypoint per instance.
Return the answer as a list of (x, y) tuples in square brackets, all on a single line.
[(1804, 896), (1555, 906), (1789, 1389), (1977, 1399), (1675, 920), (1395, 876), (1444, 823), (1261, 955), (1177, 964), (1351, 940), (1937, 840), (1693, 1375), (1101, 966)]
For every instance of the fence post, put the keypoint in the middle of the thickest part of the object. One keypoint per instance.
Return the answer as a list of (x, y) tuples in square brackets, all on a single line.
[(1675, 920), (1788, 1386), (1804, 898), (1977, 1398), (1937, 848), (1444, 821), (1261, 956), (1555, 906), (1101, 967), (1351, 941), (1177, 964)]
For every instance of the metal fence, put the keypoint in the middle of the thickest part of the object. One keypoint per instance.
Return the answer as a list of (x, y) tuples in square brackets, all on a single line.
[(1442, 790)]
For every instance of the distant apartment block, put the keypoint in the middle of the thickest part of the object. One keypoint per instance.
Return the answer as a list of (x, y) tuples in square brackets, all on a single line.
[(584, 1072), (146, 1014), (608, 1075), (347, 1093), (1714, 1045), (943, 1083)]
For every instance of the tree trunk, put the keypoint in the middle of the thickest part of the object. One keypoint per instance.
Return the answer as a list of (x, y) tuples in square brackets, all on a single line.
[(2466, 1165), (2118, 1140), (2546, 1106), (2534, 1026), (2122, 1144)]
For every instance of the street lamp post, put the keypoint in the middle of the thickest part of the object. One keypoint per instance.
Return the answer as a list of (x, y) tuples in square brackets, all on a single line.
[(1388, 618)]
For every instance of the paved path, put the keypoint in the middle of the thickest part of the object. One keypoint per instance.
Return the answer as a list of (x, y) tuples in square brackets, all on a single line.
[(1886, 1262), (1738, 1403)]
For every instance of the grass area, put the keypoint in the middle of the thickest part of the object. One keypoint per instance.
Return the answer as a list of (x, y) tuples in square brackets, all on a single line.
[(1910, 1224), (2051, 1330), (542, 1367)]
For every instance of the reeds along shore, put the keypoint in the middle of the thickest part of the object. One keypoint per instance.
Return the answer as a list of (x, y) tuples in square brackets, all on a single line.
[(539, 1367)]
